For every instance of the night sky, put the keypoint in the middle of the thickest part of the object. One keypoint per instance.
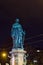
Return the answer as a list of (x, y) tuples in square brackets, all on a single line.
[(30, 13)]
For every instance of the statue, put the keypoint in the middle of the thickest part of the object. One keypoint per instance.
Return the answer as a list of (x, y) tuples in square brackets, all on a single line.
[(17, 35)]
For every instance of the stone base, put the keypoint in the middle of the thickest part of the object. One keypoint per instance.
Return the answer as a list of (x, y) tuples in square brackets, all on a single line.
[(18, 57)]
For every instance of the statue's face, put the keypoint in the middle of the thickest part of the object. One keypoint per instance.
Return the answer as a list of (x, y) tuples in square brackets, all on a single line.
[(17, 20)]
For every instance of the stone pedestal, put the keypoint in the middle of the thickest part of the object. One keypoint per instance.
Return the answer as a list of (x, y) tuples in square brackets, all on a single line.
[(18, 57)]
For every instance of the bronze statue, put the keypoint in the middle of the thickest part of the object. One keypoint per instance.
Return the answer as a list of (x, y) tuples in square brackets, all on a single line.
[(17, 35)]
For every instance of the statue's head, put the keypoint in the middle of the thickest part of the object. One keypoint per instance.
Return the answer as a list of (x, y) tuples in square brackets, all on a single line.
[(17, 20)]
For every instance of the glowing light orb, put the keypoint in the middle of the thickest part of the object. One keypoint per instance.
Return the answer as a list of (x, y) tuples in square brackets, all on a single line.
[(38, 50), (4, 54)]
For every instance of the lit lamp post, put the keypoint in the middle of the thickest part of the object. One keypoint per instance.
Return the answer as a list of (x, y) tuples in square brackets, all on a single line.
[(4, 56)]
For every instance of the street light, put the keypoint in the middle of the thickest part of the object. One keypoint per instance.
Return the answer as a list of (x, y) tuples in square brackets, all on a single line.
[(4, 54), (35, 61), (4, 57), (38, 50)]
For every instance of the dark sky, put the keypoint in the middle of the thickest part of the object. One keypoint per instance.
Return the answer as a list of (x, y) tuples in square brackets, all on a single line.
[(30, 13)]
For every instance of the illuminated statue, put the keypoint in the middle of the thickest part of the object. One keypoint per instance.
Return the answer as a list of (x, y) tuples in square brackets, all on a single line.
[(17, 35)]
